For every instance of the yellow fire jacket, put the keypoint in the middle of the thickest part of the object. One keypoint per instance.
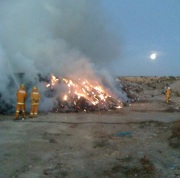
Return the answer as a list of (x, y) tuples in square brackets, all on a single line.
[(35, 97), (21, 96)]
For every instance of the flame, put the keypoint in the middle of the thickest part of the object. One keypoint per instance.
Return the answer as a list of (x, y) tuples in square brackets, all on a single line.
[(65, 97), (118, 107), (92, 91), (53, 81)]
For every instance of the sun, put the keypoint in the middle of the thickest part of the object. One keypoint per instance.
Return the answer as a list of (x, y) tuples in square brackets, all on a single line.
[(153, 56)]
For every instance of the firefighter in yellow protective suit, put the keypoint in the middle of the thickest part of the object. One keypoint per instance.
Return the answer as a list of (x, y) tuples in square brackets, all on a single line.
[(35, 99), (168, 94), (21, 97)]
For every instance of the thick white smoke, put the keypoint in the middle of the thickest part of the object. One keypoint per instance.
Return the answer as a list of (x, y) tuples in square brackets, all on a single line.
[(63, 37)]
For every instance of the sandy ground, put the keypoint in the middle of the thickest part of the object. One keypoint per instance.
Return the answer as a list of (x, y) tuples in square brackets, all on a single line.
[(136, 141)]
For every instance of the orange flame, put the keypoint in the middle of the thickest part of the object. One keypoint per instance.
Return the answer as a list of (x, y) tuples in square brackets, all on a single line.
[(65, 97), (53, 81), (93, 93)]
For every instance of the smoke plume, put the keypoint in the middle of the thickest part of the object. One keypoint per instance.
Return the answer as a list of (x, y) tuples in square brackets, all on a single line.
[(63, 37)]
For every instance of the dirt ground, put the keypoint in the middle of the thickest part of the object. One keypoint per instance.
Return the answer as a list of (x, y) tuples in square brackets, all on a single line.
[(140, 140)]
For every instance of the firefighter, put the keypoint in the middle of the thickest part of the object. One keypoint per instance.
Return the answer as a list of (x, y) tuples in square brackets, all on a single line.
[(35, 99), (21, 98), (168, 94)]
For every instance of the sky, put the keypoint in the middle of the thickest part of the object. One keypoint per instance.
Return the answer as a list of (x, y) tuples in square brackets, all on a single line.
[(145, 27)]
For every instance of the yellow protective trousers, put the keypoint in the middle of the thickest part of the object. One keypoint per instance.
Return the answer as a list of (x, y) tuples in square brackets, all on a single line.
[(167, 98), (34, 110), (20, 107)]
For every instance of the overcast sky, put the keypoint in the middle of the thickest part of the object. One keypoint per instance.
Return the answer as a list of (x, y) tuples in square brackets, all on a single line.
[(146, 27)]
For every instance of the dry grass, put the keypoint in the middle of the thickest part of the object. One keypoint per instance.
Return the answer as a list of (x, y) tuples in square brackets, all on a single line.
[(174, 139), (144, 169), (175, 129)]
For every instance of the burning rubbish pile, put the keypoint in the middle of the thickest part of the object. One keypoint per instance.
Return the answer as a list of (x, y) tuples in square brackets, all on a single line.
[(80, 95), (65, 95), (74, 95)]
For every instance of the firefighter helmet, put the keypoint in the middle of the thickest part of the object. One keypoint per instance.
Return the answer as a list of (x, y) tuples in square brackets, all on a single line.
[(22, 86)]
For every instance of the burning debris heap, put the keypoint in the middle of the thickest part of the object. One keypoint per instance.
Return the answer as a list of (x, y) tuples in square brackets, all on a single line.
[(73, 95), (70, 95), (81, 95)]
